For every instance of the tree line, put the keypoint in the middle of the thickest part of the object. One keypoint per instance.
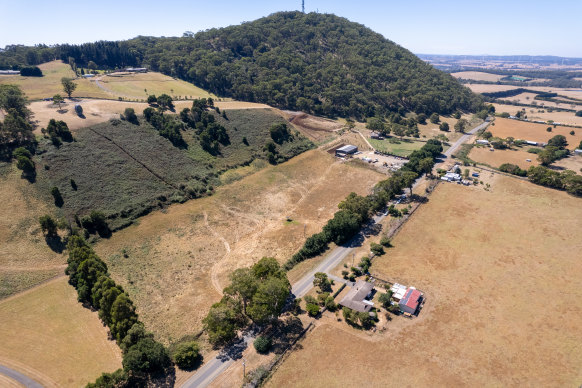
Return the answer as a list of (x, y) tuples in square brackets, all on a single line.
[(355, 210), (143, 356)]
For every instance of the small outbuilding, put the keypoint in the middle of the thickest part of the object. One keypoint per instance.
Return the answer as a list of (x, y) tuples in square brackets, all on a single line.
[(9, 72), (357, 298), (137, 69), (346, 150), (410, 301), (398, 291), (578, 151), (482, 141)]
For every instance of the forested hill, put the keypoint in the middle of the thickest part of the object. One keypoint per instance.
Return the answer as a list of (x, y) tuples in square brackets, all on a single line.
[(317, 63)]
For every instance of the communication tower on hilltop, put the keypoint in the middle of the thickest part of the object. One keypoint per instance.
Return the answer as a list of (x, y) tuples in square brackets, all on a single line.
[(303, 6)]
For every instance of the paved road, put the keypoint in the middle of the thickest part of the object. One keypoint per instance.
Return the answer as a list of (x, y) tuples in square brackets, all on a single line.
[(22, 379), (216, 366)]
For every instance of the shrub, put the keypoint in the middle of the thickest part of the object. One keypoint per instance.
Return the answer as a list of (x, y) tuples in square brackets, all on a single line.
[(312, 309), (146, 356), (385, 241), (48, 225), (377, 249), (79, 110), (262, 344), (129, 115), (330, 303), (57, 197), (187, 355)]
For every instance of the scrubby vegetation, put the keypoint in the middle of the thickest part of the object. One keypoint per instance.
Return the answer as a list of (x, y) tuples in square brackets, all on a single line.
[(317, 63)]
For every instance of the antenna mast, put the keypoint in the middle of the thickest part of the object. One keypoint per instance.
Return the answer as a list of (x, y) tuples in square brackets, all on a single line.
[(303, 6)]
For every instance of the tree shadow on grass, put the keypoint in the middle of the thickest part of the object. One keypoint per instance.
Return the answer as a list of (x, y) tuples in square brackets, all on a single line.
[(55, 243), (286, 333)]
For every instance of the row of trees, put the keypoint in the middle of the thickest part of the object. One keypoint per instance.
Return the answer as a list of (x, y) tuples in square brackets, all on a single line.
[(356, 210), (142, 355), (256, 294), (567, 180)]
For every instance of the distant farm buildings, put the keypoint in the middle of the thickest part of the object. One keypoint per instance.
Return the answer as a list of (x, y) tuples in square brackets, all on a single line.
[(346, 150), (482, 141), (9, 72), (451, 177), (357, 298), (137, 69)]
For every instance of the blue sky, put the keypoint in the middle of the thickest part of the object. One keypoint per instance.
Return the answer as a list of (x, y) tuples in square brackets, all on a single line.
[(436, 27)]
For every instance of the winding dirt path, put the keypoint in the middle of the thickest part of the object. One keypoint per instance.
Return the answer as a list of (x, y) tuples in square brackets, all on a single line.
[(214, 270)]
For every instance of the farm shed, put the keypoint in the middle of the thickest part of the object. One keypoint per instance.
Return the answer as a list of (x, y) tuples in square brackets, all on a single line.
[(137, 69), (375, 135), (346, 150), (355, 299), (482, 141), (410, 301), (398, 291), (9, 72), (578, 151)]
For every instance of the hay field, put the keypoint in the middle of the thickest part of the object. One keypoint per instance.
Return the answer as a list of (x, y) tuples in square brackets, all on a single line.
[(533, 113), (498, 157), (529, 98), (573, 163), (503, 298), (49, 336), (25, 258), (490, 88), (477, 76), (178, 260), (50, 84), (534, 132), (140, 85)]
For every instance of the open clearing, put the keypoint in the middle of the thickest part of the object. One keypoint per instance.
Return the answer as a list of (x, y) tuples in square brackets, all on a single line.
[(141, 85), (402, 148), (25, 258), (478, 76), (535, 114), (50, 84), (49, 336), (178, 260), (534, 132), (497, 157), (99, 111), (501, 272)]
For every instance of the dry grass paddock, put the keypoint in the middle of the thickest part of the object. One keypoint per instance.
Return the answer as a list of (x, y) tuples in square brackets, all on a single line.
[(25, 258), (497, 157), (534, 132), (141, 85), (99, 111), (49, 336), (500, 269), (534, 113), (178, 260), (50, 84), (477, 76)]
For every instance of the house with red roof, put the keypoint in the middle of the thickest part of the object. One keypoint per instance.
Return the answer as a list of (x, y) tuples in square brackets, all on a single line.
[(410, 301)]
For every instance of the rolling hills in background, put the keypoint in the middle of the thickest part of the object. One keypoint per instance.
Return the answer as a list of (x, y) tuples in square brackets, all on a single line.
[(317, 63)]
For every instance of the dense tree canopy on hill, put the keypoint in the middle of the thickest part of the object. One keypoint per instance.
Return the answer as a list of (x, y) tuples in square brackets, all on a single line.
[(313, 62)]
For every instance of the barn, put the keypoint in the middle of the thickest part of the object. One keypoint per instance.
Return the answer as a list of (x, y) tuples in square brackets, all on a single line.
[(346, 150)]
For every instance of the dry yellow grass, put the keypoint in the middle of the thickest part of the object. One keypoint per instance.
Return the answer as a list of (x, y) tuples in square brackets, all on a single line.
[(477, 76), (50, 84), (49, 336), (497, 157), (573, 163), (500, 269), (25, 258), (98, 111), (179, 259), (534, 132), (140, 85), (535, 114)]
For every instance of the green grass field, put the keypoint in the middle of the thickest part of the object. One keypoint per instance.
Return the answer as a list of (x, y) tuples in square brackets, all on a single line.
[(139, 86), (403, 148), (128, 170)]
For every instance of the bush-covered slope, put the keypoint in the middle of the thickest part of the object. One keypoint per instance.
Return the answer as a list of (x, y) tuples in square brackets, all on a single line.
[(313, 62)]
